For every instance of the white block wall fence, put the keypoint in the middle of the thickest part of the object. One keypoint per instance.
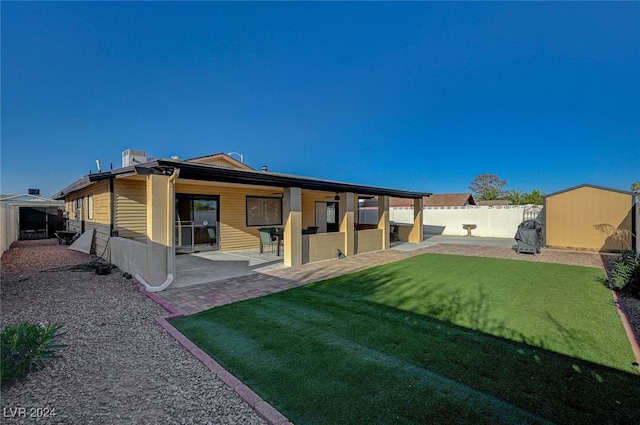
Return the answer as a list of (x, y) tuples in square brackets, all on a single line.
[(500, 221), (8, 226)]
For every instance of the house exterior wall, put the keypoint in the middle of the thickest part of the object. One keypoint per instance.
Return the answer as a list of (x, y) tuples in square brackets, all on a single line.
[(100, 222), (234, 232), (130, 212), (572, 217), (309, 200), (129, 255)]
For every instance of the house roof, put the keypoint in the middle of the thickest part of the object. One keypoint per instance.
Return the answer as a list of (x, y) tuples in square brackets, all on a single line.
[(449, 200), (438, 200), (592, 186), (205, 172), (218, 159)]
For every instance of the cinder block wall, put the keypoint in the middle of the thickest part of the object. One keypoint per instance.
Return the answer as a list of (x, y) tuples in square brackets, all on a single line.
[(491, 221)]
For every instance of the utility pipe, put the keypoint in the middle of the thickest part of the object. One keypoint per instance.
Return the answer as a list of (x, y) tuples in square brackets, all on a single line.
[(171, 258)]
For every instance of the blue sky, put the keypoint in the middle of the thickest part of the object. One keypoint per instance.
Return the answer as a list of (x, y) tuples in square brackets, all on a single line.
[(419, 95)]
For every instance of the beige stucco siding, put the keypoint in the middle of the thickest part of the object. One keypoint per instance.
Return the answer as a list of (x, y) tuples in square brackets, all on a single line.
[(572, 219), (131, 208), (368, 240)]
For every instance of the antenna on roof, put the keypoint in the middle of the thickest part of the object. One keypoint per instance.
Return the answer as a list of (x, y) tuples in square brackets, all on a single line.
[(239, 154)]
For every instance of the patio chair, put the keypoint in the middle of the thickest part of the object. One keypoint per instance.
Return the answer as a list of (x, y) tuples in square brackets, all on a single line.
[(212, 234), (311, 230), (395, 236), (265, 239)]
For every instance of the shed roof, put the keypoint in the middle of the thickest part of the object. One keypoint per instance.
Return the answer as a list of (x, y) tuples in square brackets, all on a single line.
[(26, 199), (626, 192)]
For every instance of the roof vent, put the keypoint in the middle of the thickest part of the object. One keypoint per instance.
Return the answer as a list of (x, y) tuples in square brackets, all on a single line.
[(265, 168), (176, 158), (133, 157)]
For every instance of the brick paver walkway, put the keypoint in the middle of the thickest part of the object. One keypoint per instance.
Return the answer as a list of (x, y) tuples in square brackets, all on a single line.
[(192, 299)]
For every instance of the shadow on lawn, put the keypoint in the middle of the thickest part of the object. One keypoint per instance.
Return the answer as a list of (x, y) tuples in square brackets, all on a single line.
[(538, 325), (387, 350)]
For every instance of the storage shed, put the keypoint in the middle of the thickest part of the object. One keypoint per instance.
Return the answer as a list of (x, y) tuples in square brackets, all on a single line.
[(591, 218), (28, 216)]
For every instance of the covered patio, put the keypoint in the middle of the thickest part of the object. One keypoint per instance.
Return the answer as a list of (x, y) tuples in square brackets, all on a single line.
[(146, 213)]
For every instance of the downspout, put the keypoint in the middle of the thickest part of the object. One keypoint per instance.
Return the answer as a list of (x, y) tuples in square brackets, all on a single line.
[(170, 248)]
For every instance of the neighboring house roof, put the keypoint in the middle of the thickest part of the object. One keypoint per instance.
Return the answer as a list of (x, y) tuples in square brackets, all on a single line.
[(449, 200), (199, 171), (438, 200), (592, 186)]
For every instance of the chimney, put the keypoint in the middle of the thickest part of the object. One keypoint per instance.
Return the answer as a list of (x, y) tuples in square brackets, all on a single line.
[(265, 168)]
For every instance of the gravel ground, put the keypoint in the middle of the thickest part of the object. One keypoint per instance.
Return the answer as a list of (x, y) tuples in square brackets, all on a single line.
[(119, 366)]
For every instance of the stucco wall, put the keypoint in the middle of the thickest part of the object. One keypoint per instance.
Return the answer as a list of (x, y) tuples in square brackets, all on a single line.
[(129, 255), (368, 240), (490, 221), (321, 246)]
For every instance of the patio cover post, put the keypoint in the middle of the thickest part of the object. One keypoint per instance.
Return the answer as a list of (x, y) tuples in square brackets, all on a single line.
[(292, 211), (415, 235), (347, 221), (157, 236), (383, 220)]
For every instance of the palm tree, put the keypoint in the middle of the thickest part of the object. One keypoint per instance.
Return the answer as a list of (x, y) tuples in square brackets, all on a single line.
[(515, 197), (491, 195)]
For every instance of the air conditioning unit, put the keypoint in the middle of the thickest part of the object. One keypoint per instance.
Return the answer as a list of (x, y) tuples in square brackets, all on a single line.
[(133, 157)]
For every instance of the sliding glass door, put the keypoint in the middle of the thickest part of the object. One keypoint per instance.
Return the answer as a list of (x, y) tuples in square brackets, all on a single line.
[(197, 226)]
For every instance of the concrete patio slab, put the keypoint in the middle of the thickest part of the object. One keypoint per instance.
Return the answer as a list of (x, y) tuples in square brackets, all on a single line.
[(264, 277)]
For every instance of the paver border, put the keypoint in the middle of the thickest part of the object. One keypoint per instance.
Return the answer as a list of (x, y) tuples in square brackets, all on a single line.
[(635, 347), (267, 412)]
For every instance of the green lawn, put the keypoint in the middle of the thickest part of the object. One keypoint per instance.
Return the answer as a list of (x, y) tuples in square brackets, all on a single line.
[(433, 339)]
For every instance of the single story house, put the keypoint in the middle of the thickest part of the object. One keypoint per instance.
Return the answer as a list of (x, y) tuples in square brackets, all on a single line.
[(589, 217), (144, 211)]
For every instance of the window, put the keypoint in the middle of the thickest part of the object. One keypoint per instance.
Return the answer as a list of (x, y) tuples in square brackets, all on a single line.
[(262, 211), (78, 209), (90, 207)]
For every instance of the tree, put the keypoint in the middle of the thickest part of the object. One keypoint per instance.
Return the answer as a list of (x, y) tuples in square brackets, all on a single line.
[(514, 197), (536, 197), (487, 185), (491, 195), (635, 188)]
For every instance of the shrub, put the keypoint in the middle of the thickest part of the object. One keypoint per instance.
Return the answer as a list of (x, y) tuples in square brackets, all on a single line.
[(25, 347), (626, 272)]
